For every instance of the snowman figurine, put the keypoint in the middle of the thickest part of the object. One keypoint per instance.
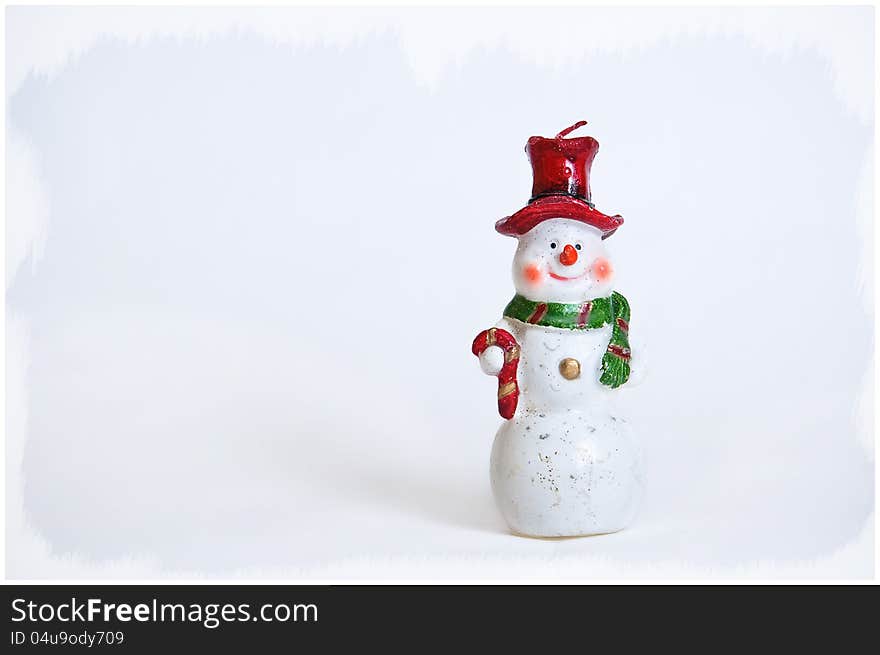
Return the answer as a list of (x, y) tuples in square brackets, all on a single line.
[(562, 463)]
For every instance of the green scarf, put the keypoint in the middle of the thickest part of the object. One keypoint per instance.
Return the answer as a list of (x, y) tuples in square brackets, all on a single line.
[(595, 313)]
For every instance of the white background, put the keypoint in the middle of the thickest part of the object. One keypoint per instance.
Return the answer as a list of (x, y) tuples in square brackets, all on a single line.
[(247, 253)]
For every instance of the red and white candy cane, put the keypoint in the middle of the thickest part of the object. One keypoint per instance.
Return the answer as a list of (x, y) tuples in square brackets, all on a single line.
[(508, 391)]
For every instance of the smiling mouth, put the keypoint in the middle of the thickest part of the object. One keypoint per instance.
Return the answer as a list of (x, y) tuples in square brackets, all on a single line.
[(562, 277)]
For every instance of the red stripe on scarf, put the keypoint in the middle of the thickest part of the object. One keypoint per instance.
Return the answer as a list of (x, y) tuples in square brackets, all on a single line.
[(623, 325), (584, 316), (538, 314), (623, 353)]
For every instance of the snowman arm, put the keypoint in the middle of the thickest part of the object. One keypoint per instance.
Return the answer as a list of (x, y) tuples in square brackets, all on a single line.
[(492, 359)]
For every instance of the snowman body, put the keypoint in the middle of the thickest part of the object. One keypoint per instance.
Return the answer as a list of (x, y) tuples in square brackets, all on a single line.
[(541, 383), (564, 464)]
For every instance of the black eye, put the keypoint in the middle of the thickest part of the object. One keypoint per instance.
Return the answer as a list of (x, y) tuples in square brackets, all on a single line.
[(552, 244), (578, 246)]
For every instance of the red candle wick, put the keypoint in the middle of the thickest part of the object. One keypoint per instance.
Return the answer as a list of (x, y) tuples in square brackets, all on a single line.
[(569, 130)]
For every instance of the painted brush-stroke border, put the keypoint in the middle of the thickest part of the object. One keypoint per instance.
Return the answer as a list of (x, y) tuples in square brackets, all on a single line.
[(42, 41)]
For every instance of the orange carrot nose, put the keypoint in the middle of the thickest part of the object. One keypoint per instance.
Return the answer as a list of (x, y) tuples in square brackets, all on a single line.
[(569, 255)]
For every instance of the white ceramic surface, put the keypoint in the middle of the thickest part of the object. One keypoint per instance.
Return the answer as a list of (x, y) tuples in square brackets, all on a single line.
[(566, 473), (564, 465)]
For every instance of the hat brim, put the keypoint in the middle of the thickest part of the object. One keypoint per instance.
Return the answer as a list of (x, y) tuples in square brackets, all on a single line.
[(544, 209)]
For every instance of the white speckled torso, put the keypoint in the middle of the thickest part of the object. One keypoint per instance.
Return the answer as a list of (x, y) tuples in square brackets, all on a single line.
[(566, 473), (540, 382), (564, 465)]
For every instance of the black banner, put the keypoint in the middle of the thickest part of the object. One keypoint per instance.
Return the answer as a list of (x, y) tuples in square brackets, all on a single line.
[(147, 618)]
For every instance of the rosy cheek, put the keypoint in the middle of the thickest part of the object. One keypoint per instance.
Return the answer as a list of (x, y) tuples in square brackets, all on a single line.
[(532, 274), (601, 269)]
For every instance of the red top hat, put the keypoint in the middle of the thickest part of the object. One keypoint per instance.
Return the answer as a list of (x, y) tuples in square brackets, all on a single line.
[(561, 188)]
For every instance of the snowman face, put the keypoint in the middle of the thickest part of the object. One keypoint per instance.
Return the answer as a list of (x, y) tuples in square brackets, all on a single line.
[(562, 260)]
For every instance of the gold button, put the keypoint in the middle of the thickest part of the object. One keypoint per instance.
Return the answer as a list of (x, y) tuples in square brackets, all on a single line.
[(570, 368)]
